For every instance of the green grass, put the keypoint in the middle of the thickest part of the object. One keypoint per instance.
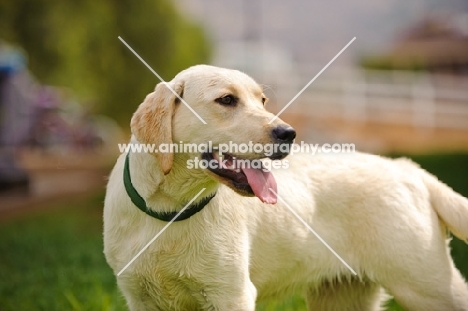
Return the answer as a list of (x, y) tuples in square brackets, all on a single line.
[(52, 260)]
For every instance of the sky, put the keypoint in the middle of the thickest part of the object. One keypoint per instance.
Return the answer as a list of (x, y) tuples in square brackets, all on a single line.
[(314, 31)]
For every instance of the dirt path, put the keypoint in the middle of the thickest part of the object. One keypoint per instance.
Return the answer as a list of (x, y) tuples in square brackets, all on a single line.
[(55, 179)]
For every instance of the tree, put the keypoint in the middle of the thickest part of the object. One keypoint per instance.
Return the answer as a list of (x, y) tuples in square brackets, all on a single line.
[(75, 44)]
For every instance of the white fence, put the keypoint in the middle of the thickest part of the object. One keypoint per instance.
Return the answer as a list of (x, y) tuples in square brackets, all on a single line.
[(407, 98)]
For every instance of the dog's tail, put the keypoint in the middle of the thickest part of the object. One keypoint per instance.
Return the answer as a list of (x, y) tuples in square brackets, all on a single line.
[(451, 207)]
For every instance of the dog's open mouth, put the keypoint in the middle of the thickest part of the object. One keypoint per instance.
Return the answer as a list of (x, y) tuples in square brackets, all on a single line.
[(247, 177)]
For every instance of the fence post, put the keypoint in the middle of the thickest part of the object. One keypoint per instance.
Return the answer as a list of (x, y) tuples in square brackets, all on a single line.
[(354, 96), (423, 101)]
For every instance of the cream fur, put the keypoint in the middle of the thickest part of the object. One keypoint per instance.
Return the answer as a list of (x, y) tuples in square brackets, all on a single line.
[(386, 218)]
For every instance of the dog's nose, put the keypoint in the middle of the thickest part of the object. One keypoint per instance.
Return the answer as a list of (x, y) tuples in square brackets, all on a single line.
[(284, 134)]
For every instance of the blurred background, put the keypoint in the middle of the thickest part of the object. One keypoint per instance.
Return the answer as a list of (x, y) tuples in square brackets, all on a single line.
[(68, 88)]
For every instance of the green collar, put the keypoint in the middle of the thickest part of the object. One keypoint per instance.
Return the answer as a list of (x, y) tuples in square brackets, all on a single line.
[(164, 216)]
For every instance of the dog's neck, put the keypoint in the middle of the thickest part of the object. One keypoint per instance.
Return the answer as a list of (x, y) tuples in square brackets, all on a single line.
[(165, 192)]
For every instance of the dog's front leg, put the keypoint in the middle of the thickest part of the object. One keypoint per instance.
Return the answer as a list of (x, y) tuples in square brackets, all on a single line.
[(225, 274), (232, 298)]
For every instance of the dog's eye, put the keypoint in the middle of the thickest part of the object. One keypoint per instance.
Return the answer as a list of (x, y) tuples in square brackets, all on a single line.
[(227, 100), (264, 100)]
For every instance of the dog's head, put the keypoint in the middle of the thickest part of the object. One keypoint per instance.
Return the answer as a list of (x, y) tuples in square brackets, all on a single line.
[(233, 106)]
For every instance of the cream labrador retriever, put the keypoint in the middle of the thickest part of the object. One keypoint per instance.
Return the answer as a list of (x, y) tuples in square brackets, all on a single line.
[(238, 243)]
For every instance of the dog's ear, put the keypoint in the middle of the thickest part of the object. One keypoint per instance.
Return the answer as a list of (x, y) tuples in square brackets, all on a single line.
[(152, 122)]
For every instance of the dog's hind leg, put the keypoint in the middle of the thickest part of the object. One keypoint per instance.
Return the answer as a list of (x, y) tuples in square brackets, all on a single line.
[(438, 288), (345, 296), (420, 273)]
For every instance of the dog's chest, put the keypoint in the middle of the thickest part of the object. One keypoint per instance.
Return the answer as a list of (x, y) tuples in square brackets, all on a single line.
[(169, 288), (175, 274)]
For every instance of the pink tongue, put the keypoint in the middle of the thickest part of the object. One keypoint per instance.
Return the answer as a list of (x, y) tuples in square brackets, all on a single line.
[(261, 182)]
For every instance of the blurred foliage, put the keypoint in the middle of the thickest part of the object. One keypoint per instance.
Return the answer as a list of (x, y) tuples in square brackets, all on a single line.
[(75, 44), (388, 63)]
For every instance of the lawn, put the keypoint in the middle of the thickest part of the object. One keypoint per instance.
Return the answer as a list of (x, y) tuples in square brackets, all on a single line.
[(52, 260)]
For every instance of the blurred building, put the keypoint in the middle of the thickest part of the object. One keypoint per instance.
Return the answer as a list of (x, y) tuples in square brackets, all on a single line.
[(436, 44)]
